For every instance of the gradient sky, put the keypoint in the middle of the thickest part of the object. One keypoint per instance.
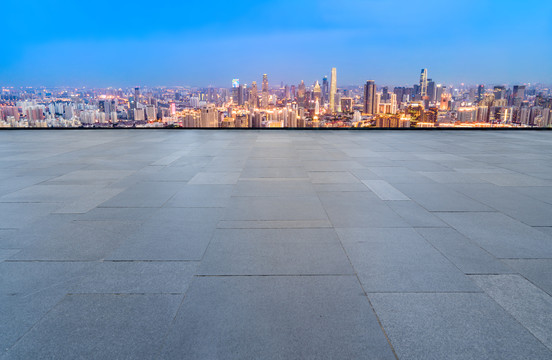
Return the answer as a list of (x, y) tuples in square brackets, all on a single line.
[(199, 43)]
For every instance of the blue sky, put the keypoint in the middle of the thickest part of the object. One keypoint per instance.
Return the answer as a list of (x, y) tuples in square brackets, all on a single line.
[(200, 43)]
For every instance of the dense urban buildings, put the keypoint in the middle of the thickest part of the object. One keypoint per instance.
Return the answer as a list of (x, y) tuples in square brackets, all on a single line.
[(328, 105)]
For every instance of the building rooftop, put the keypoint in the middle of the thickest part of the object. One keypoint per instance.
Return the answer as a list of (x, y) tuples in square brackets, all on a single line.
[(275, 244)]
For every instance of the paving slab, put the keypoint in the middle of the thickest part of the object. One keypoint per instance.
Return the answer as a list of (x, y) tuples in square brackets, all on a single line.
[(145, 194), (289, 317), (384, 190), (359, 209), (275, 208), (454, 326), (538, 271), (415, 215), (400, 260), (528, 304), (100, 326), (466, 254), (501, 235), (135, 277), (275, 252)]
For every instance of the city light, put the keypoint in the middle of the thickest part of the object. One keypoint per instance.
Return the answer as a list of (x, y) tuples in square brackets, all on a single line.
[(425, 104)]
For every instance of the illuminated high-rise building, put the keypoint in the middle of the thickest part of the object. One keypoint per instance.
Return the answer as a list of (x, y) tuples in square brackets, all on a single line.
[(208, 116), (518, 95), (241, 94), (499, 92), (480, 92), (235, 90), (325, 90), (264, 100), (423, 83), (301, 94), (254, 97), (317, 92), (136, 96), (370, 106), (333, 89), (431, 90)]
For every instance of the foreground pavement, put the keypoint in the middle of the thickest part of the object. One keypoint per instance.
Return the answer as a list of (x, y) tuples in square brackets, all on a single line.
[(275, 245)]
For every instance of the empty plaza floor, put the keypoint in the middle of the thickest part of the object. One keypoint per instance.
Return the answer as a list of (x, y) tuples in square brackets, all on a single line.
[(169, 244)]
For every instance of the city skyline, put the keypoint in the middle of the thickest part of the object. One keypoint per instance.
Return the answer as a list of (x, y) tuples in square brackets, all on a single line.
[(205, 44), (425, 104)]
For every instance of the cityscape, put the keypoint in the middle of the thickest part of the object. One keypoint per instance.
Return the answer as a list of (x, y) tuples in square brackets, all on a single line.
[(322, 103)]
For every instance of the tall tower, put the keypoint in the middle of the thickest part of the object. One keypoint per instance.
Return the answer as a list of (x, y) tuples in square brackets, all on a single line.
[(325, 90), (136, 97), (317, 91), (264, 101), (333, 89), (254, 99), (370, 97), (423, 83)]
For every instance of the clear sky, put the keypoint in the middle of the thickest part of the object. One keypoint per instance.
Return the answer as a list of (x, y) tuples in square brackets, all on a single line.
[(199, 43)]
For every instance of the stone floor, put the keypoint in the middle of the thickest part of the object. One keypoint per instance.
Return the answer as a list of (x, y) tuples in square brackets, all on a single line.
[(275, 245)]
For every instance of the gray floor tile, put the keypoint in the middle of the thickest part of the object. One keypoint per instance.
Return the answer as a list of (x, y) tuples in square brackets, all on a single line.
[(77, 240), (19, 313), (145, 194), (332, 177), (400, 260), (273, 172), (275, 252), (322, 317), (19, 215), (469, 257), (435, 197), (215, 178), (384, 190), (275, 208), (201, 196), (454, 326), (274, 188), (538, 271), (528, 304), (136, 277), (501, 235), (415, 215), (100, 326), (359, 209), (32, 277), (520, 207)]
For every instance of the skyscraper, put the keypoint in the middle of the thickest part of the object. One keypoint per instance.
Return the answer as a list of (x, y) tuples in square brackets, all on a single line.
[(317, 92), (370, 97), (264, 100), (333, 89), (423, 83), (499, 92), (325, 90), (431, 90), (518, 95), (480, 92), (254, 98), (301, 90), (208, 116), (136, 97)]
